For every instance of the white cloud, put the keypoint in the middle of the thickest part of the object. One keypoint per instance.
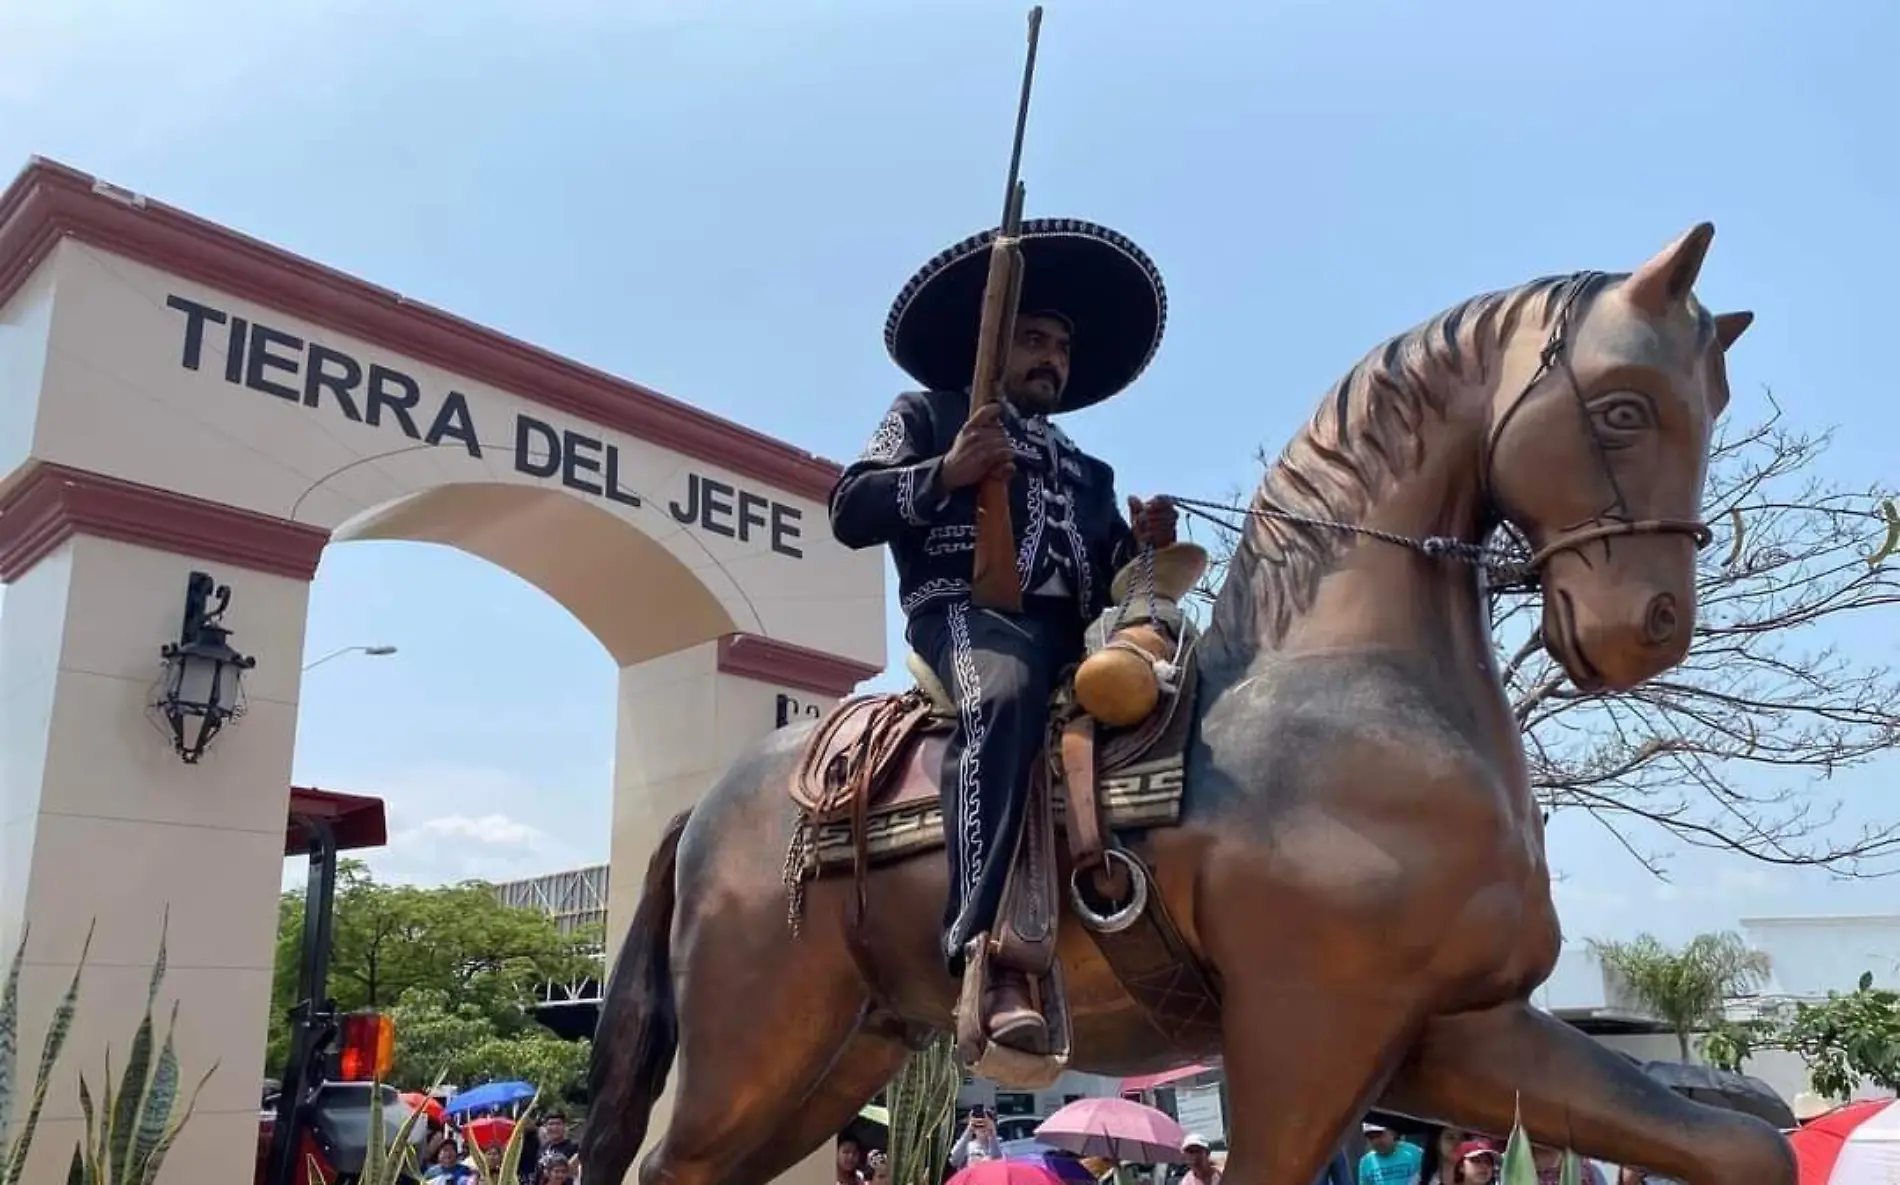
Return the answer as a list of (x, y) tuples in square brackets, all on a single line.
[(449, 823), (496, 830)]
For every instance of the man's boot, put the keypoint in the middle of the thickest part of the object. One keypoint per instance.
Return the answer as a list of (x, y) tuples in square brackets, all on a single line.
[(1013, 1019)]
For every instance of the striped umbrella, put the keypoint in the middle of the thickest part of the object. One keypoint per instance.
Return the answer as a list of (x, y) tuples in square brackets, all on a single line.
[(1858, 1144)]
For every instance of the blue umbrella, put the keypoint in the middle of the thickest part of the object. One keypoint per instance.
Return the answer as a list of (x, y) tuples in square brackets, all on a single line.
[(494, 1094)]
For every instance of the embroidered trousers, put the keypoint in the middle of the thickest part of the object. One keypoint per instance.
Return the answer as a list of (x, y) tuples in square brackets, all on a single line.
[(1001, 669)]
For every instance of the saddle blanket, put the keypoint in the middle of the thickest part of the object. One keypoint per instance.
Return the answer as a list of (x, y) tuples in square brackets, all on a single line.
[(1142, 796)]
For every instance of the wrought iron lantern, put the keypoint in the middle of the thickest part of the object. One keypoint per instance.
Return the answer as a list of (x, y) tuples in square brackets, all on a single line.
[(203, 686)]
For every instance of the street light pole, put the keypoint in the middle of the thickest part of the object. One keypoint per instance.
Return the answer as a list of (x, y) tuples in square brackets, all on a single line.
[(370, 651)]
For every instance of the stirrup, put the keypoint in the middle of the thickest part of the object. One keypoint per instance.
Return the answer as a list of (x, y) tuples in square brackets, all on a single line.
[(1116, 918)]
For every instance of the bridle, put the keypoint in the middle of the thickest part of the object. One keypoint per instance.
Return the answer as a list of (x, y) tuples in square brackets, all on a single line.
[(1614, 520), (1506, 568)]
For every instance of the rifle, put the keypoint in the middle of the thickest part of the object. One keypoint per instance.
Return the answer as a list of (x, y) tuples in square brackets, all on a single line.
[(994, 583)]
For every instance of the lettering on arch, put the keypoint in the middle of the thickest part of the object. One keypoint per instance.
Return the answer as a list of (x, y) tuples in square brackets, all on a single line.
[(326, 380)]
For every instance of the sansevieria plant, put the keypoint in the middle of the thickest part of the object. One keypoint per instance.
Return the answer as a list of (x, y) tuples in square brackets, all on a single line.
[(130, 1131), (391, 1162), (510, 1170), (923, 1101), (13, 1154)]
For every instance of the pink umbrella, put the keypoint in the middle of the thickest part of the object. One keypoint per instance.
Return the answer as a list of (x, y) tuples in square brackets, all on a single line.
[(1005, 1172), (1119, 1129)]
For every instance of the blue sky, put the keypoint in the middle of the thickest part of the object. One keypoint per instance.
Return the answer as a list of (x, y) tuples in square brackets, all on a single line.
[(719, 199)]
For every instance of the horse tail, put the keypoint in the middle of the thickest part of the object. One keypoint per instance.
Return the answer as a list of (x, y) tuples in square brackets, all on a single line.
[(638, 1030)]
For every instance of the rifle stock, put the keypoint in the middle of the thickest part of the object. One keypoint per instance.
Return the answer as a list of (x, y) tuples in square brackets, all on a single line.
[(994, 583)]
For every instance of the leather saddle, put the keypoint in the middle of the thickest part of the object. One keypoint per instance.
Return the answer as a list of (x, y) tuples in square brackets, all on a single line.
[(883, 752), (866, 788)]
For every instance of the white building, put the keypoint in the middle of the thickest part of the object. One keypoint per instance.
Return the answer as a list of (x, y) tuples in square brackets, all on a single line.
[(1814, 956)]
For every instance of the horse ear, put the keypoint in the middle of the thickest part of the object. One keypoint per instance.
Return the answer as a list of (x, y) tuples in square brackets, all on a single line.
[(1666, 280), (1730, 326)]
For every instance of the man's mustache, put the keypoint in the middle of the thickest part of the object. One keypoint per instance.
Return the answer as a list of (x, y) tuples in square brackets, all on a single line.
[(1046, 372)]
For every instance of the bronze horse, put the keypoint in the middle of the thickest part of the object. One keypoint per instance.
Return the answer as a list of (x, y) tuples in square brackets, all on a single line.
[(1360, 862)]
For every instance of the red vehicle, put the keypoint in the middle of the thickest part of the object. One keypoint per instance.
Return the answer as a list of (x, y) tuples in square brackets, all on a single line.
[(320, 1111)]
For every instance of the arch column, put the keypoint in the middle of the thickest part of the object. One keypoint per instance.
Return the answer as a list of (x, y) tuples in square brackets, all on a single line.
[(684, 717), (101, 824)]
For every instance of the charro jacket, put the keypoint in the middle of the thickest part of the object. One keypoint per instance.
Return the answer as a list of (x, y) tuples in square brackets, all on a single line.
[(1070, 531)]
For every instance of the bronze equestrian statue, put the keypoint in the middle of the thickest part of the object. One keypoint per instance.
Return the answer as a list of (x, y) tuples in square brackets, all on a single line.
[(914, 489), (1352, 867)]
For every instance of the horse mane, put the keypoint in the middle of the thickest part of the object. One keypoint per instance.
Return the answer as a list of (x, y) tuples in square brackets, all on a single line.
[(1365, 435)]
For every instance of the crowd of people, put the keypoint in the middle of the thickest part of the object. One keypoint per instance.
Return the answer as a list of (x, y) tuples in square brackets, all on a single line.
[(1447, 1156), (1460, 1157), (549, 1153)]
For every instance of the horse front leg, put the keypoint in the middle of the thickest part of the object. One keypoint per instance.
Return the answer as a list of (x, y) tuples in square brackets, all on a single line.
[(1479, 1068), (1302, 1061)]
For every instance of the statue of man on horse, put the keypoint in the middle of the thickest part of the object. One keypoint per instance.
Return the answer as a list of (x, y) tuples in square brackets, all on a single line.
[(1332, 854), (1091, 316)]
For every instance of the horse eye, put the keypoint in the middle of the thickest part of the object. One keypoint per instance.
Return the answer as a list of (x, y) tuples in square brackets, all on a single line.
[(1625, 415)]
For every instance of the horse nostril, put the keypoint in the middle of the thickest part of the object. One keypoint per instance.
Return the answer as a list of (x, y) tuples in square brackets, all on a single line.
[(1659, 624)]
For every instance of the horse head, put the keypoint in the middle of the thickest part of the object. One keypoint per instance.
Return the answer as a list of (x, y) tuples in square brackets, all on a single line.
[(1599, 457)]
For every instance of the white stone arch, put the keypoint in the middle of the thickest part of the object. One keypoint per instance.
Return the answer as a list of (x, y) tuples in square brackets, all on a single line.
[(178, 397), (634, 594)]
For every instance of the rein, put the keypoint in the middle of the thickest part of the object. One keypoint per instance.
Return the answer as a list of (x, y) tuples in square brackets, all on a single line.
[(1505, 568), (1515, 567)]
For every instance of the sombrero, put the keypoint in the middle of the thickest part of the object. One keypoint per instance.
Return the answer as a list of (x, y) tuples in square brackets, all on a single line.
[(1107, 287)]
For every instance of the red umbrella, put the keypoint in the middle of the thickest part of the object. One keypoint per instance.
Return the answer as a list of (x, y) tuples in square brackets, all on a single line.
[(491, 1131), (1119, 1129), (1005, 1172), (1858, 1144), (417, 1101)]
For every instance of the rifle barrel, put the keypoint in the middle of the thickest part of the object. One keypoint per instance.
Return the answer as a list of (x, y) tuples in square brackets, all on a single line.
[(1022, 105)]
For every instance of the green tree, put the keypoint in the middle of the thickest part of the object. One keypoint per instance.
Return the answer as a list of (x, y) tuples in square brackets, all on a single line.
[(1687, 989), (1848, 1039), (434, 1038), (485, 959)]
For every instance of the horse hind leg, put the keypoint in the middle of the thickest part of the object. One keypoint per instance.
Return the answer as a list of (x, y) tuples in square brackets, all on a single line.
[(1482, 1068), (861, 1069), (764, 1020)]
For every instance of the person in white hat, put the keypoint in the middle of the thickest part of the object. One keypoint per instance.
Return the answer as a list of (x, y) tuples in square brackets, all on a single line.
[(1200, 1161), (1390, 1161)]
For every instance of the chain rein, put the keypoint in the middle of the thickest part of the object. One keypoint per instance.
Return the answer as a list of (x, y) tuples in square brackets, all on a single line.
[(1506, 569)]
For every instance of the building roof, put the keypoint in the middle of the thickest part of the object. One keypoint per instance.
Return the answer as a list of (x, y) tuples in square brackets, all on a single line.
[(356, 820)]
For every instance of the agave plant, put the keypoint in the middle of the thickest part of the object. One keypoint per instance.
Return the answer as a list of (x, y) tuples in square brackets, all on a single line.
[(1519, 1165), (132, 1129), (13, 1156), (923, 1099)]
